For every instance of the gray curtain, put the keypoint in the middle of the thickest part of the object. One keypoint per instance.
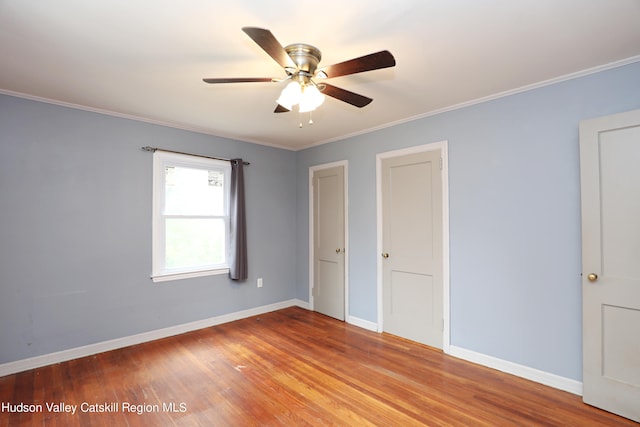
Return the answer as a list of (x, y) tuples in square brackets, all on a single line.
[(238, 236)]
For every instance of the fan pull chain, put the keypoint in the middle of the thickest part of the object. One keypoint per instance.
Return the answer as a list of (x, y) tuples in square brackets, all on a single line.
[(310, 120)]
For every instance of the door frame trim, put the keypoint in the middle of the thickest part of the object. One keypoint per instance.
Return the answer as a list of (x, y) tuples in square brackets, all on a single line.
[(442, 146), (312, 170)]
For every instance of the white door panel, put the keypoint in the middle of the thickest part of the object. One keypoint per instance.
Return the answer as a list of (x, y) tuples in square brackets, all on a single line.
[(412, 271), (329, 242), (610, 190)]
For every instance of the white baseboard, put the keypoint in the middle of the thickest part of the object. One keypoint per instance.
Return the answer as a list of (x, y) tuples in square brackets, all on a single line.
[(302, 304), (365, 324), (542, 377), (88, 350)]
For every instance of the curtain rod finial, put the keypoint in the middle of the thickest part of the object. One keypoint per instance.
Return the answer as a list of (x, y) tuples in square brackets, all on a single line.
[(151, 149)]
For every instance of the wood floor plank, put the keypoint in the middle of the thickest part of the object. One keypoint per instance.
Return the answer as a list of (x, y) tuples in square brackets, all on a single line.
[(291, 367)]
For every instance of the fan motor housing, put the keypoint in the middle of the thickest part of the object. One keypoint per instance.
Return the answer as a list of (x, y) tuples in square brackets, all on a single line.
[(305, 56)]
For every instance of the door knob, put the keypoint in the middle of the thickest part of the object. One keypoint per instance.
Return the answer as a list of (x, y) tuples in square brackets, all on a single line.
[(592, 277), (385, 255), (338, 250)]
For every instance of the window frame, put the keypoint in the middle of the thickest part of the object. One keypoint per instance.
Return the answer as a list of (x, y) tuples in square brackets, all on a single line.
[(162, 159)]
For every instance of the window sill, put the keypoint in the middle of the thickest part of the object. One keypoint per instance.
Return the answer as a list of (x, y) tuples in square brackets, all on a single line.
[(188, 275)]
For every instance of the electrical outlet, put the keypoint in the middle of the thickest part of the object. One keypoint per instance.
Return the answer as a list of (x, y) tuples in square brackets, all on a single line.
[(259, 282)]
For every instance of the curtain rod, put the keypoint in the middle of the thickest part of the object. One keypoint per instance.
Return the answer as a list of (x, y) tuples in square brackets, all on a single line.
[(154, 149)]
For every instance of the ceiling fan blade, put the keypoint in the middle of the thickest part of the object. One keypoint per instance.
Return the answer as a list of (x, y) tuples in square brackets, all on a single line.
[(373, 61), (280, 109), (345, 95), (270, 44), (238, 80)]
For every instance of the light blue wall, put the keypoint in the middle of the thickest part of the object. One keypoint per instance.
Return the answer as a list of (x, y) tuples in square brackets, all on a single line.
[(514, 216), (75, 230)]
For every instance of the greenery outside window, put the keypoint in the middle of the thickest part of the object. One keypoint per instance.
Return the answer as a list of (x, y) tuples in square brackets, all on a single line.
[(190, 216)]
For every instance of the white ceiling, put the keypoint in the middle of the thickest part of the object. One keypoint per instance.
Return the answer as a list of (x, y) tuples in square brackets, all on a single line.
[(146, 58)]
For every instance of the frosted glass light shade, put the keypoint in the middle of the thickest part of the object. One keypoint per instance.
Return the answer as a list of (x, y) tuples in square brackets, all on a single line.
[(311, 99), (290, 95)]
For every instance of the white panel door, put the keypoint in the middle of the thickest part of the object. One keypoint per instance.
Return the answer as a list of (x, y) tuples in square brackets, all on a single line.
[(412, 253), (329, 242), (610, 184)]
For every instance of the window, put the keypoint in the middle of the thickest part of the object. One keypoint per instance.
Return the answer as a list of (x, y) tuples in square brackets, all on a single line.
[(190, 216)]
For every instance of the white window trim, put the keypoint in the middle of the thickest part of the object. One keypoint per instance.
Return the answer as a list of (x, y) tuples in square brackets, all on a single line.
[(160, 160), (167, 277)]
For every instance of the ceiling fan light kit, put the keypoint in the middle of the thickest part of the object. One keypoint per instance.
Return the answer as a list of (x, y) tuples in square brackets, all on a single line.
[(307, 96), (300, 63)]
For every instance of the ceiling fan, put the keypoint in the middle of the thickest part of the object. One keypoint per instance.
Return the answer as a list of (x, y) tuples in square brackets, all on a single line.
[(300, 62)]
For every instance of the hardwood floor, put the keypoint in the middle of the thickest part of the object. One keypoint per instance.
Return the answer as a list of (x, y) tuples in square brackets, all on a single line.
[(290, 368)]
